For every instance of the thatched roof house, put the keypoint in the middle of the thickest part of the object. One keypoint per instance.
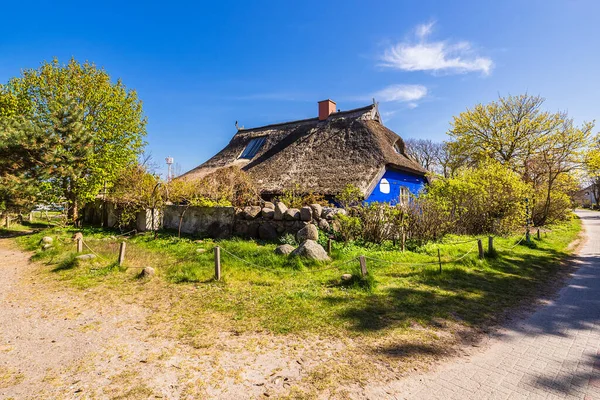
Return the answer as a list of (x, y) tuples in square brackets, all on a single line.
[(323, 155)]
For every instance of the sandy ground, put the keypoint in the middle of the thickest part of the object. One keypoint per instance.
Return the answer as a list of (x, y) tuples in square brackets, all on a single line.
[(58, 342)]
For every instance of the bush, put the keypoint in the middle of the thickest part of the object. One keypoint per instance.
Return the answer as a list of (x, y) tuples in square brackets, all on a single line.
[(350, 196), (427, 220), (288, 238), (377, 220), (348, 227), (486, 199), (225, 187), (296, 197)]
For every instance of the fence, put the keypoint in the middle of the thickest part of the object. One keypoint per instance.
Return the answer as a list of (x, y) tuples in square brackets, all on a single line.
[(361, 260)]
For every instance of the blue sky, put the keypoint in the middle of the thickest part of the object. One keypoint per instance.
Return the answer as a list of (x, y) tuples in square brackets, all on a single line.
[(200, 66)]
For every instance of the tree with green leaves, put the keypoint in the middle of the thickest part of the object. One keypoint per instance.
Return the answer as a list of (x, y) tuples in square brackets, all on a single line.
[(99, 124), (541, 146)]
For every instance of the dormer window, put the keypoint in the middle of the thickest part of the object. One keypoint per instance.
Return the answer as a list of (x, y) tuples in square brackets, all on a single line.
[(397, 148), (252, 148)]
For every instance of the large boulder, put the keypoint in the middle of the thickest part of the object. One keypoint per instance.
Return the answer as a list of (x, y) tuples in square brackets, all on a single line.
[(47, 240), (324, 225), (306, 213), (291, 214), (267, 232), (267, 213), (280, 210), (317, 209), (309, 232), (284, 249), (311, 250), (269, 205), (251, 212)]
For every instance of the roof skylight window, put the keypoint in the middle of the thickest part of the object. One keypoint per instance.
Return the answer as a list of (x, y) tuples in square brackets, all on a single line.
[(253, 147)]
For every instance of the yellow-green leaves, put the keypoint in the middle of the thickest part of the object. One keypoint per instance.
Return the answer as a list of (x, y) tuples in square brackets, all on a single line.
[(110, 113)]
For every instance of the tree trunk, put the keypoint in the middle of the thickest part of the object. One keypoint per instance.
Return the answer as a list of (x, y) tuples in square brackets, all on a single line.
[(73, 208)]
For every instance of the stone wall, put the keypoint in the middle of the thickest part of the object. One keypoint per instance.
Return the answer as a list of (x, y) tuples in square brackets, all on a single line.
[(267, 222), (215, 222), (274, 220)]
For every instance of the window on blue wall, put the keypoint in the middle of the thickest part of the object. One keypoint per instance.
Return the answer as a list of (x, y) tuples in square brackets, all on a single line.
[(404, 195), (384, 186), (252, 147)]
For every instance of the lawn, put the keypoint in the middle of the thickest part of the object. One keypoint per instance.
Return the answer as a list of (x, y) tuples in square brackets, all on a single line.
[(404, 293)]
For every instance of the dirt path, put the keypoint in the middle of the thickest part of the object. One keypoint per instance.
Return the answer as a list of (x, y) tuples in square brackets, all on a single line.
[(64, 343), (53, 343)]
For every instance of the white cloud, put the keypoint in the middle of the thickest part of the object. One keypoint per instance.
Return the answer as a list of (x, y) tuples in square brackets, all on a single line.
[(424, 30), (424, 55), (401, 93)]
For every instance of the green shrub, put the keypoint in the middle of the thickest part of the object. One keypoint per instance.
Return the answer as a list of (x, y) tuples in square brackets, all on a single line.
[(288, 238), (485, 199), (348, 227)]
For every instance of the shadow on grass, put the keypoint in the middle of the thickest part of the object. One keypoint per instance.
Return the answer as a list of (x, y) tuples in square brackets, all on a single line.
[(473, 296), (66, 264), (10, 234), (408, 350)]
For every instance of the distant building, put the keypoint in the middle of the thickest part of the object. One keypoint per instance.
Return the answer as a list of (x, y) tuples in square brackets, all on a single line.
[(585, 197), (323, 155)]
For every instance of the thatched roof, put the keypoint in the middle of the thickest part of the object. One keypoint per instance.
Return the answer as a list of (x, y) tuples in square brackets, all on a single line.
[(350, 147)]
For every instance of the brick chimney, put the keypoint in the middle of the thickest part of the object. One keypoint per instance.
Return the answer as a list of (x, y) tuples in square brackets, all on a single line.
[(326, 108)]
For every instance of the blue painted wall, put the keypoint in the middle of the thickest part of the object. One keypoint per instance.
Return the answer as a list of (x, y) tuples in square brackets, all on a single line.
[(396, 179)]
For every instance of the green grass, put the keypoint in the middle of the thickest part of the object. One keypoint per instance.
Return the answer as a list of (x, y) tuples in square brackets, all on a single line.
[(281, 295)]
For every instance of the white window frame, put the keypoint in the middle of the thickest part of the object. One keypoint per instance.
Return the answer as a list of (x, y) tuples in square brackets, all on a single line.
[(404, 195)]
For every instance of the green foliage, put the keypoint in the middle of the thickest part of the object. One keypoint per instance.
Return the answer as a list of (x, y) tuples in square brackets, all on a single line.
[(71, 101), (542, 147), (288, 238), (358, 281), (350, 196), (296, 197), (24, 157), (485, 199), (348, 227)]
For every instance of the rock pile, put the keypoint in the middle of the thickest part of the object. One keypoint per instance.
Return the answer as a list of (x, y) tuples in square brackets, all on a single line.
[(273, 220)]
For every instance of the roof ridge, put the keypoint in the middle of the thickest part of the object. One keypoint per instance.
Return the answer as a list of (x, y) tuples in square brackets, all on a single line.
[(299, 121)]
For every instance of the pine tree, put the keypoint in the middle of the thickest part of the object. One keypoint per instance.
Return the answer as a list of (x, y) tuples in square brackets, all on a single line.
[(73, 144)]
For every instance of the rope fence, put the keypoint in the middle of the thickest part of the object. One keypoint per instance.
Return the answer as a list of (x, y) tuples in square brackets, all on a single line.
[(333, 265)]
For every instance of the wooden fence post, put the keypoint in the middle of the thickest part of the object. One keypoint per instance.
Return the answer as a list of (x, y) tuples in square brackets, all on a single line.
[(363, 265), (79, 245), (329, 246), (440, 260), (528, 236), (490, 245), (480, 245), (122, 254), (538, 234), (217, 263)]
